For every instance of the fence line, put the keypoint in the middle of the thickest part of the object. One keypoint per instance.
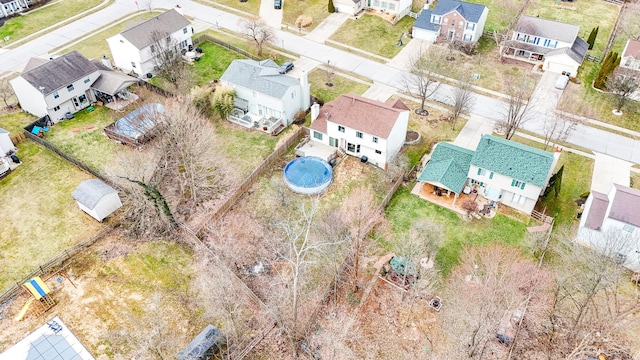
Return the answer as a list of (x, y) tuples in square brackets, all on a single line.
[(208, 38), (54, 262), (255, 174), (595, 59)]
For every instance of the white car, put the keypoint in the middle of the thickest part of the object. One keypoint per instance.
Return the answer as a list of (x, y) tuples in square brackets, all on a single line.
[(562, 82)]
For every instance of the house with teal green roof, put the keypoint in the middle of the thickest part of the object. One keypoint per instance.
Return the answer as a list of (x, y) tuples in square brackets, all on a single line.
[(502, 171)]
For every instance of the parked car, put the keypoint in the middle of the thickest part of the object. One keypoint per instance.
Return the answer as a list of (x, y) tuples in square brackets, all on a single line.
[(562, 81), (286, 67), (277, 4)]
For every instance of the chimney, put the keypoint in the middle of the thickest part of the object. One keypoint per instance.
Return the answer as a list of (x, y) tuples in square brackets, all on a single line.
[(315, 111), (305, 91), (106, 62)]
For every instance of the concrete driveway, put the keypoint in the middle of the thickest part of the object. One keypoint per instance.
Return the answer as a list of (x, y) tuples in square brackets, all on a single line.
[(303, 64), (273, 17), (608, 171), (326, 28), (470, 135), (545, 97), (411, 51)]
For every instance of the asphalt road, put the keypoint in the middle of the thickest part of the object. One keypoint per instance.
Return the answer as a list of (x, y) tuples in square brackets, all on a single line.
[(584, 136)]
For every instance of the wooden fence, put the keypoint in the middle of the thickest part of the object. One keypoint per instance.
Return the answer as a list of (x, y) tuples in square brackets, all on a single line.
[(255, 174), (53, 263), (208, 38), (595, 59)]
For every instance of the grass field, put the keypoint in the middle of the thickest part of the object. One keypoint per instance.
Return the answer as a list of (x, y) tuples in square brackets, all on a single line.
[(212, 65), (15, 121), (405, 209), (21, 26), (250, 6), (341, 85), (359, 33), (96, 46), (39, 217), (316, 9), (582, 99)]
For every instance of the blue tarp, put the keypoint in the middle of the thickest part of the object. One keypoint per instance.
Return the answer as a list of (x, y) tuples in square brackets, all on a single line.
[(139, 122)]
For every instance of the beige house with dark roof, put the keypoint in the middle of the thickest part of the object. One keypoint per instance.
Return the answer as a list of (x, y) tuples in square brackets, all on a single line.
[(133, 50), (371, 130), (611, 223)]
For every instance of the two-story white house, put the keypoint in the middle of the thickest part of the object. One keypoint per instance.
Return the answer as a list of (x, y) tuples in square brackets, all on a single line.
[(399, 8), (264, 98), (555, 45), (134, 50), (66, 84), (631, 56), (451, 20), (610, 223), (11, 7), (371, 130), (501, 170)]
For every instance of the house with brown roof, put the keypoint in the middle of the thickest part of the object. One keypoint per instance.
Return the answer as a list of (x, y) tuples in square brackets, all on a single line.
[(611, 223), (135, 49), (368, 129), (631, 55)]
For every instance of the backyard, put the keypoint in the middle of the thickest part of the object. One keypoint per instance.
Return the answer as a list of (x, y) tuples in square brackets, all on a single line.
[(358, 33)]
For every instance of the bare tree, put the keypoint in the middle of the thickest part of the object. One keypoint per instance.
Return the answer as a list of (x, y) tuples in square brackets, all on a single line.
[(168, 60), (509, 14), (360, 213), (630, 26), (258, 32), (329, 72), (557, 129), (6, 93), (462, 99), (622, 83), (518, 106), (421, 81)]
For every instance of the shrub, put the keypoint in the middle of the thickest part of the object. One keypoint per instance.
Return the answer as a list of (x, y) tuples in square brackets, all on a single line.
[(469, 206), (304, 21)]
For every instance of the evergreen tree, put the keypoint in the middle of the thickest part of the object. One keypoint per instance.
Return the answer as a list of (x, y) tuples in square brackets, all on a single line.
[(331, 8), (598, 82), (592, 37)]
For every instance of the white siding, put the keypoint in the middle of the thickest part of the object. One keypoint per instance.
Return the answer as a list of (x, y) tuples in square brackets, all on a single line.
[(480, 24), (31, 99), (502, 182), (559, 63), (423, 34)]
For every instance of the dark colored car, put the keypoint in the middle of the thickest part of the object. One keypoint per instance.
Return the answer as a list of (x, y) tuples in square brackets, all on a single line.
[(277, 4), (286, 67)]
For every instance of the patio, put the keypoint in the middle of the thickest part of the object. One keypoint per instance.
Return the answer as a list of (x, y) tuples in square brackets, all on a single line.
[(270, 125), (442, 198)]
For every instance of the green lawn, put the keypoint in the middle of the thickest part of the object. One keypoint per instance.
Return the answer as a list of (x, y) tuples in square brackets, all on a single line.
[(341, 85), (21, 26), (405, 209), (90, 146), (212, 65), (250, 6), (582, 99), (96, 46), (244, 148), (585, 13), (316, 9), (39, 217), (14, 122), (359, 33)]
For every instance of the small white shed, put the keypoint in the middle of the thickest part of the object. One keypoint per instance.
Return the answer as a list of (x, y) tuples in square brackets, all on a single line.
[(6, 145), (97, 198)]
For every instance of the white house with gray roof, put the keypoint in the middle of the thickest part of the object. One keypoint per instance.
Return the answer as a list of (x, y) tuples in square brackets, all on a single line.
[(11, 7), (66, 84), (451, 20), (264, 98), (554, 44), (134, 49)]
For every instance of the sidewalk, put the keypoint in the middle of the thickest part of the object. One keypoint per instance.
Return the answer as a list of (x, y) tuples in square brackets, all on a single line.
[(325, 29), (410, 51)]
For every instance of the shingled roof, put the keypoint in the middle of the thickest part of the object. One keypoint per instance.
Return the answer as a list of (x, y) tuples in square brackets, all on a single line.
[(359, 113), (624, 206), (512, 159), (263, 77), (597, 211), (167, 23), (546, 28), (471, 12), (632, 49), (91, 191), (449, 166), (54, 74)]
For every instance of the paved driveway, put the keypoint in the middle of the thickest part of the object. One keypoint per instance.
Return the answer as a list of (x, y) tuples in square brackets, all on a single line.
[(273, 17), (326, 28), (470, 135), (608, 171), (545, 97)]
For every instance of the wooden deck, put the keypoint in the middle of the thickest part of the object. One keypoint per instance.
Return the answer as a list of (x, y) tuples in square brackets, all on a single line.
[(425, 191)]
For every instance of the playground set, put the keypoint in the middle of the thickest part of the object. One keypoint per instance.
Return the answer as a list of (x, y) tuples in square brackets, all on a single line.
[(39, 293)]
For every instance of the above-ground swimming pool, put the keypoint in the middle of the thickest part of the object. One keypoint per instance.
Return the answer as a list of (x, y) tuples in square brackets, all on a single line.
[(308, 175)]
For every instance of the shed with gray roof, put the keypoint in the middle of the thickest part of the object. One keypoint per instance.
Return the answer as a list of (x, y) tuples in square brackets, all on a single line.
[(96, 198)]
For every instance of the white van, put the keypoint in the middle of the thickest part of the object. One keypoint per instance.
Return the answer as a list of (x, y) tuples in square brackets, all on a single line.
[(562, 81)]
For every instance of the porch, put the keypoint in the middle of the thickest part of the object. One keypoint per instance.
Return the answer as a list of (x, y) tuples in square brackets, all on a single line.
[(268, 124), (444, 198), (524, 52), (313, 148), (120, 102)]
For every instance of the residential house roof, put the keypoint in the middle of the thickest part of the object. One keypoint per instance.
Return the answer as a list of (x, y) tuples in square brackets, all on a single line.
[(546, 28), (471, 12), (449, 165), (91, 191), (140, 35), (59, 72), (624, 206), (597, 211), (34, 63), (576, 52), (632, 49), (359, 113), (512, 159), (263, 77), (111, 82)]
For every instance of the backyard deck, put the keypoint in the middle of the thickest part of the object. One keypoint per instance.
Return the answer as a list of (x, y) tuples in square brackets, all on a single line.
[(426, 192)]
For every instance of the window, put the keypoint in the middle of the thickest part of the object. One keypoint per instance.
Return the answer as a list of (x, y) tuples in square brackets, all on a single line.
[(333, 142), (183, 44), (518, 199), (317, 135), (516, 183), (133, 65), (70, 88), (378, 152), (358, 134), (184, 31), (86, 80), (375, 139), (446, 21), (56, 108), (435, 19), (341, 128), (153, 49), (460, 24), (353, 148), (293, 94), (392, 6), (483, 172), (471, 26), (376, 3), (466, 37), (56, 95), (628, 228)]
